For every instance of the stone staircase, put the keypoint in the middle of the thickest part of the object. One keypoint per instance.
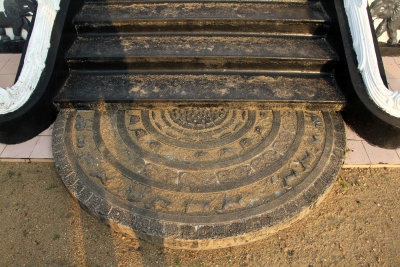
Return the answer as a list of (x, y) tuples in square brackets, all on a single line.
[(200, 124)]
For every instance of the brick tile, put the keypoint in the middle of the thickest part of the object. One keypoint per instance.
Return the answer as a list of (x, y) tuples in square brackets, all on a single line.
[(351, 135), (392, 71), (379, 155), (12, 65), (42, 149), (2, 147), (23, 150), (397, 60), (4, 58), (398, 152), (7, 80), (355, 153), (394, 84), (47, 132), (389, 61)]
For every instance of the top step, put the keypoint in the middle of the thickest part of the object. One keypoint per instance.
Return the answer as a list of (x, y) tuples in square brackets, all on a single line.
[(199, 1), (280, 17)]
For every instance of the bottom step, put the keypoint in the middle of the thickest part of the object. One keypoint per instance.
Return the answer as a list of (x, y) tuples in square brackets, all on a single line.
[(270, 90), (200, 177)]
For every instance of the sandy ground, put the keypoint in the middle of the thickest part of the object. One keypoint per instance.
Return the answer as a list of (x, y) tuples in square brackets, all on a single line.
[(357, 224)]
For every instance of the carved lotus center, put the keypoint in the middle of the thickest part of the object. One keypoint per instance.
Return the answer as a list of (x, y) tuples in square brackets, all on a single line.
[(198, 118)]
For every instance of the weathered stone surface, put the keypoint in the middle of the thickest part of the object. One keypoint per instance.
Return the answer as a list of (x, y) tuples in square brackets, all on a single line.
[(261, 16), (200, 125), (279, 163), (268, 89), (201, 51)]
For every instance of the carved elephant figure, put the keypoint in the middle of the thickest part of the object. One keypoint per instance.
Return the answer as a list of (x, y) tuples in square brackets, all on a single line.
[(394, 24), (14, 16), (389, 12)]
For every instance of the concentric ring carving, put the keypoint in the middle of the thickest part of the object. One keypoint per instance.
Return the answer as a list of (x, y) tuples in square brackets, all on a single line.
[(243, 159), (146, 170)]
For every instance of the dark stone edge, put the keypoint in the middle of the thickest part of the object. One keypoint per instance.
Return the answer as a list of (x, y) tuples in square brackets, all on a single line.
[(281, 105), (184, 235), (389, 50), (12, 46)]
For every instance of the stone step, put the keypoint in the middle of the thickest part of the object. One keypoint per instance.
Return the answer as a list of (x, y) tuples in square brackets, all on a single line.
[(198, 1), (201, 51), (199, 124), (87, 89), (272, 17)]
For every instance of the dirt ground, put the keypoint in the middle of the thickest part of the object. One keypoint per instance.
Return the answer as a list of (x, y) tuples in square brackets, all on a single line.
[(357, 224)]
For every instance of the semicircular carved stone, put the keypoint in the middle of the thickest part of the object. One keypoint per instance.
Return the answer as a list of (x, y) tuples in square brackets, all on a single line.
[(198, 178)]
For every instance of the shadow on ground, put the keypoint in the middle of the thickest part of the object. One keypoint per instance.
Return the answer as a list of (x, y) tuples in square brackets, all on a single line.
[(369, 127), (357, 224)]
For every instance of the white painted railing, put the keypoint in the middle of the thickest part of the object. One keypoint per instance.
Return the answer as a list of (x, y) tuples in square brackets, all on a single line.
[(363, 44), (14, 97)]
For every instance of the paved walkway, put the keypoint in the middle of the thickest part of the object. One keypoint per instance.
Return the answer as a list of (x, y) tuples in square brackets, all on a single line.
[(358, 154)]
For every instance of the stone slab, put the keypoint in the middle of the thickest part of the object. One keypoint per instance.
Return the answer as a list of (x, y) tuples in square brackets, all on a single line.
[(288, 90), (42, 149), (194, 51), (306, 18), (12, 64), (23, 150), (356, 153), (380, 155), (198, 177)]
